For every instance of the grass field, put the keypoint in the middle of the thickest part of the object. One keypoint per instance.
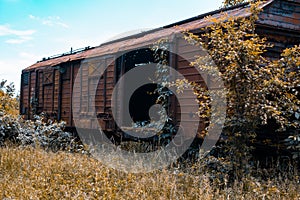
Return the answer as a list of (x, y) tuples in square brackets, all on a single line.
[(28, 173)]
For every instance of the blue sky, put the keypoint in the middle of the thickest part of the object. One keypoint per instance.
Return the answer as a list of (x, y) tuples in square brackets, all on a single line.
[(33, 29)]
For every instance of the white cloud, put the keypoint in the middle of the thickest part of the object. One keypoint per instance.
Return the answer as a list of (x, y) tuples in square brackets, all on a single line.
[(32, 17), (19, 36), (6, 30), (49, 21), (19, 40), (15, 41)]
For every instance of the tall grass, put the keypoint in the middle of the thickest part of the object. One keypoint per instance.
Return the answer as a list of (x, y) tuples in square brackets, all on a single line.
[(28, 173)]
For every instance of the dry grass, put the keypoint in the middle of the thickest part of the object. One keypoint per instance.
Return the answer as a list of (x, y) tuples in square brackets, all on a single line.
[(27, 173)]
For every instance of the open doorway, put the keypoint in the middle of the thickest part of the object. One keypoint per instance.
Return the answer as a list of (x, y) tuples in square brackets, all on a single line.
[(141, 101), (144, 97)]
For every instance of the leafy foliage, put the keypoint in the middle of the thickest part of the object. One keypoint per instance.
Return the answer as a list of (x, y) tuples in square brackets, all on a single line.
[(8, 103), (258, 90), (9, 128), (281, 89), (37, 133), (48, 135), (229, 3)]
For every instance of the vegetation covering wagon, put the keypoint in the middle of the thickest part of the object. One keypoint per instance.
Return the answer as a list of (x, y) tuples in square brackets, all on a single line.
[(47, 86)]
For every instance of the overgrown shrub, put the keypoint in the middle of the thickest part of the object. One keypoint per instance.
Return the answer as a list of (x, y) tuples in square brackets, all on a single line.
[(9, 127), (48, 135), (37, 133), (260, 92), (9, 104)]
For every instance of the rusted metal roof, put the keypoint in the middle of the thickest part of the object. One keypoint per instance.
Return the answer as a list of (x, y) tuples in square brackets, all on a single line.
[(152, 36)]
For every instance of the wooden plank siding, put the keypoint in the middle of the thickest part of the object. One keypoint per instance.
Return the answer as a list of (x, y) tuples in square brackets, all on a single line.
[(40, 95), (187, 53), (94, 93), (24, 94), (280, 24), (282, 14), (66, 95)]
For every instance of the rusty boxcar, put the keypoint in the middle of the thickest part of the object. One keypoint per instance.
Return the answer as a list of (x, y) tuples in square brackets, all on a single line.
[(47, 86)]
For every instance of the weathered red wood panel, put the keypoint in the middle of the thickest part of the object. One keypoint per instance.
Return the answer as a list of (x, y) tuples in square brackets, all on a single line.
[(56, 93), (40, 92), (65, 93), (187, 53), (48, 94), (282, 14)]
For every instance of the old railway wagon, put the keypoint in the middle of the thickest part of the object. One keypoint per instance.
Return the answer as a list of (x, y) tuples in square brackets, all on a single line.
[(47, 85)]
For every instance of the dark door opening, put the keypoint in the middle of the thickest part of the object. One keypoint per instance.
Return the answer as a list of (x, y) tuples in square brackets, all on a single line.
[(144, 97), (141, 101)]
